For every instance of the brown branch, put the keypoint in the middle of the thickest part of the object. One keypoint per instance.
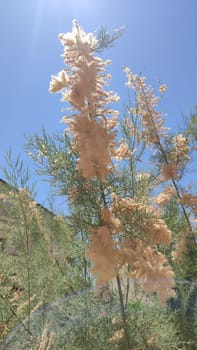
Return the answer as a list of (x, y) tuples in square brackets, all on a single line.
[(27, 329), (123, 313)]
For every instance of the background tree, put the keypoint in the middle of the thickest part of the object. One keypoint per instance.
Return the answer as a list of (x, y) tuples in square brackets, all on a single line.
[(41, 258)]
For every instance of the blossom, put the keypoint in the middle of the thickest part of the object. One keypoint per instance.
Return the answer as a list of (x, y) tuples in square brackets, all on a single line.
[(93, 143), (82, 85), (153, 273), (189, 200), (163, 88), (152, 120), (180, 248), (165, 196), (169, 171), (104, 254), (113, 223), (109, 256), (122, 152), (82, 81), (143, 176), (181, 148), (58, 82)]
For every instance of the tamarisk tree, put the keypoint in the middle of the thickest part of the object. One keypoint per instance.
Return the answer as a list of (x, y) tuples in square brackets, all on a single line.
[(119, 208)]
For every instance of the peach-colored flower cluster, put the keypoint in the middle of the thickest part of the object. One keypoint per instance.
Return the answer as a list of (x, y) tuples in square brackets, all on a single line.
[(81, 84), (103, 250), (113, 223), (110, 253), (104, 254), (59, 82), (169, 171), (190, 201), (181, 148), (142, 217), (147, 103), (163, 88), (147, 265), (157, 231), (93, 144), (180, 248), (122, 152), (150, 268), (125, 205), (164, 197)]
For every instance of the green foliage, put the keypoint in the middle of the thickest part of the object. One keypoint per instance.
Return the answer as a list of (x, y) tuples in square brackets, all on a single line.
[(37, 249), (191, 130), (107, 40), (80, 322)]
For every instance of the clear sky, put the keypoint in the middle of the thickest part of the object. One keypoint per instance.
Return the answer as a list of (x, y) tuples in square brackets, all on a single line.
[(160, 41)]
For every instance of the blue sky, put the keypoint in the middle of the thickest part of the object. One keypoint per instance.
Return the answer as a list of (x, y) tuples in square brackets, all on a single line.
[(160, 41)]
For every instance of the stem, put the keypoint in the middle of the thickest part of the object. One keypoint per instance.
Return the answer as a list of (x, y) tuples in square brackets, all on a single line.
[(127, 293), (85, 264), (122, 307), (123, 313), (27, 329), (103, 195)]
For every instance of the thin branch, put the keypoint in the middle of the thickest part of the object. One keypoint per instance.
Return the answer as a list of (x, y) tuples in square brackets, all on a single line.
[(107, 40), (123, 313), (27, 329)]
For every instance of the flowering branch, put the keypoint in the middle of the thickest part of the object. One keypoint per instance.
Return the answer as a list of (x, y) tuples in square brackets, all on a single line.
[(155, 130), (93, 128)]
